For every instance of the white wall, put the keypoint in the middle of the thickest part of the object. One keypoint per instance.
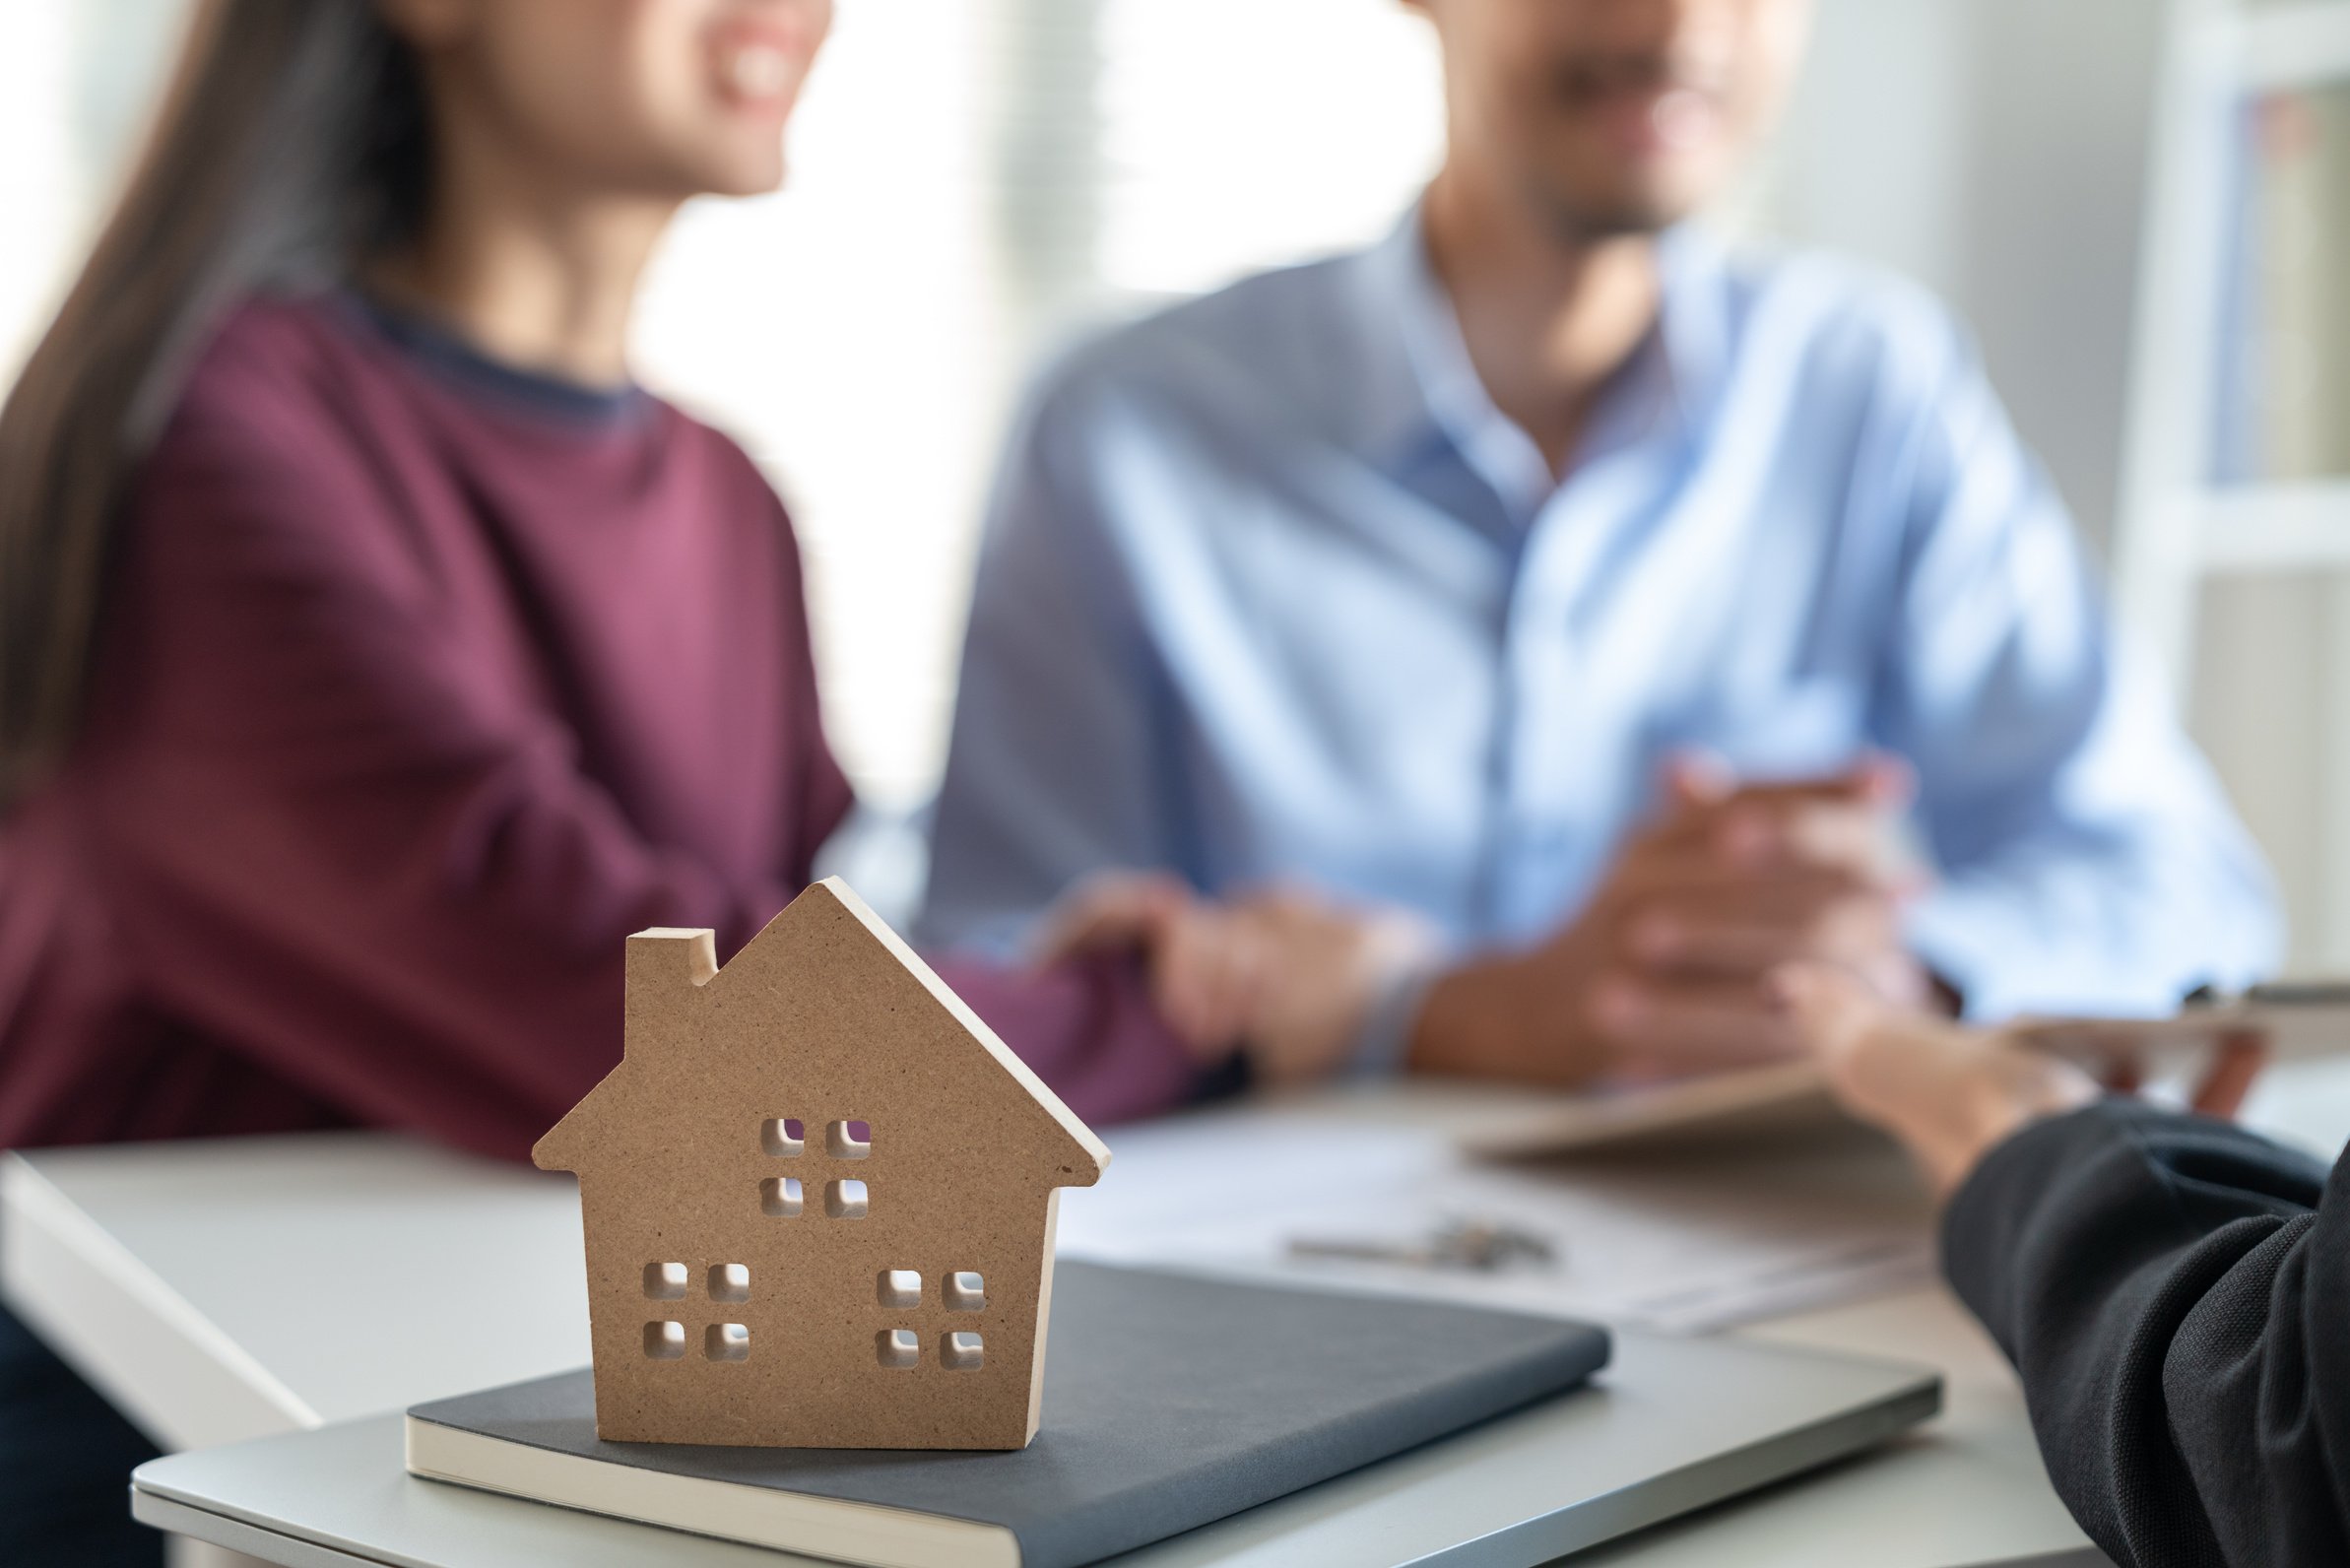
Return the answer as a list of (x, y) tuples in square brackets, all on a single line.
[(74, 84), (1994, 150)]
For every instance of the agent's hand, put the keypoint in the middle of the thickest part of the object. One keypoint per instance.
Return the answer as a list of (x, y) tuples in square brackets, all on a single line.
[(1288, 975), (2114, 1053), (1949, 1094), (1661, 973)]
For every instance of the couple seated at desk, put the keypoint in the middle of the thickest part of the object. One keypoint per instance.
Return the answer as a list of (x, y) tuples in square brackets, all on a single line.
[(1533, 603), (1530, 598)]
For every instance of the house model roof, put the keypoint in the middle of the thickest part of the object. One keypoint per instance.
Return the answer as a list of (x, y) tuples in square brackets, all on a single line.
[(793, 949)]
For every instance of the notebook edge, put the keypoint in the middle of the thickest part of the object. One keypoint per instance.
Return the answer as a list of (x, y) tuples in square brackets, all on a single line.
[(821, 1527)]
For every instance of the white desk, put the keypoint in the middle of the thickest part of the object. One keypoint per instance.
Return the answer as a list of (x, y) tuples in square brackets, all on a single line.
[(218, 1291)]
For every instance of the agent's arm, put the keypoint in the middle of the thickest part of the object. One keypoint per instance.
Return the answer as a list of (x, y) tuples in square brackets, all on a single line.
[(2171, 1288), (2174, 1292)]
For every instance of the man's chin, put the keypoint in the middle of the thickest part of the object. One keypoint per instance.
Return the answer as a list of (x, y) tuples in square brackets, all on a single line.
[(1584, 216)]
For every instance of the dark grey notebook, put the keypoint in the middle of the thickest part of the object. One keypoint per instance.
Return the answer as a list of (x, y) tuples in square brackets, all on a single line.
[(1170, 1401)]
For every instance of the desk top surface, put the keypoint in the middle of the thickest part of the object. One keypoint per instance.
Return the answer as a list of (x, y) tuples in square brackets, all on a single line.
[(1672, 1425), (350, 1274)]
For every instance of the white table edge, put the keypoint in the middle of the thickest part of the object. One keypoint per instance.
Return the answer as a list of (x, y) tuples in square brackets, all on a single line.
[(268, 1546), (107, 1315)]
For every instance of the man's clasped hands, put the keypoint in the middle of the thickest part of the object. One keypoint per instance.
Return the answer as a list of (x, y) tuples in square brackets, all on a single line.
[(1665, 971)]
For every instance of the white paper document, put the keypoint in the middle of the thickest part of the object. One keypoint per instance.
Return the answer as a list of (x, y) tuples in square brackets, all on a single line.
[(1686, 1244)]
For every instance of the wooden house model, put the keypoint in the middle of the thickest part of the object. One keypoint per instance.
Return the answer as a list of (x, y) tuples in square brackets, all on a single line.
[(818, 1196)]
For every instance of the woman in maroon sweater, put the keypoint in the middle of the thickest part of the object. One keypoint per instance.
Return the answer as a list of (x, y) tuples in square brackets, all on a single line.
[(424, 681), (431, 656), (374, 656)]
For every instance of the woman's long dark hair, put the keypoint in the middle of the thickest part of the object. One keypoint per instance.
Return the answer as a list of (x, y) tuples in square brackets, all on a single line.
[(293, 137)]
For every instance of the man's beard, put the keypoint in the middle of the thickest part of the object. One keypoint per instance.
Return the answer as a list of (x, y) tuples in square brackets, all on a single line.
[(1578, 220)]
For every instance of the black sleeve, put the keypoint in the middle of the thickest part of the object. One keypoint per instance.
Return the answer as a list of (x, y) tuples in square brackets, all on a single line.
[(2176, 1295)]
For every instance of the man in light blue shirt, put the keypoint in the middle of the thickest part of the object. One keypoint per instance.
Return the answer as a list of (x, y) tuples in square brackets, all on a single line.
[(1408, 575)]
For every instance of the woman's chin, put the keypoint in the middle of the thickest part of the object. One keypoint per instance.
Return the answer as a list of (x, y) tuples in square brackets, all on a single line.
[(741, 171)]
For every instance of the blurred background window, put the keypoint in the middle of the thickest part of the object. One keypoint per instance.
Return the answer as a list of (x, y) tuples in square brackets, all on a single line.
[(2283, 395), (976, 181), (2234, 540), (973, 182)]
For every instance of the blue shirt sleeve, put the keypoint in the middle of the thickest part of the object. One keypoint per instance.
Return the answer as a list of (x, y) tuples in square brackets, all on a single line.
[(2088, 858), (1057, 759)]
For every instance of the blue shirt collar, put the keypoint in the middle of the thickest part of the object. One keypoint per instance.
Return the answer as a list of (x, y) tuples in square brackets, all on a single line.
[(1424, 390)]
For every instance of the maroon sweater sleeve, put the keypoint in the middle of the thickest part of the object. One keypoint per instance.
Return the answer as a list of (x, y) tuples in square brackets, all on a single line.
[(339, 848), (335, 844), (1088, 1029)]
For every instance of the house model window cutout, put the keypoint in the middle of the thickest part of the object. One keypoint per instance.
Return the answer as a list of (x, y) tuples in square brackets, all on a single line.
[(819, 1196)]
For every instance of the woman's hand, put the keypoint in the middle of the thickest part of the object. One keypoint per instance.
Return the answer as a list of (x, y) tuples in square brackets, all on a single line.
[(1205, 976), (1283, 972), (1949, 1093), (1326, 966)]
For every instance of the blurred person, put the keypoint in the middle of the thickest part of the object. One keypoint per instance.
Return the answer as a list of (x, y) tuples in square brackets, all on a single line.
[(2170, 1287), (1613, 600), (375, 655)]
